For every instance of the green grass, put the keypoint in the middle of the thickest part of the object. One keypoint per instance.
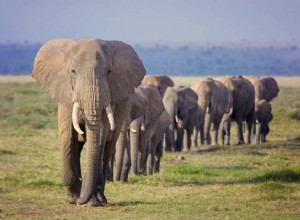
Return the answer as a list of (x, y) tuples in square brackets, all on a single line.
[(222, 182)]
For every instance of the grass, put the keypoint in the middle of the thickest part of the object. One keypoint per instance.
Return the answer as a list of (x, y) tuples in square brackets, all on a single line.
[(222, 182)]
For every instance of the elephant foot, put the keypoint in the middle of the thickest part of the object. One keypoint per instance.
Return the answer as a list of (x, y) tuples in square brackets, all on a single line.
[(72, 198), (103, 199), (124, 179), (73, 192), (94, 202)]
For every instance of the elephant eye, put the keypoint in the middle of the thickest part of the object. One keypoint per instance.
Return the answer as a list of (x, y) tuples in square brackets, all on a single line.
[(108, 72), (73, 73)]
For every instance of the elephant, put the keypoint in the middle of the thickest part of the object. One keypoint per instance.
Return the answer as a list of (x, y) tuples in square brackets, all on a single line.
[(241, 100), (92, 80), (181, 104), (265, 87), (160, 82), (141, 138), (264, 116), (213, 102), (121, 160)]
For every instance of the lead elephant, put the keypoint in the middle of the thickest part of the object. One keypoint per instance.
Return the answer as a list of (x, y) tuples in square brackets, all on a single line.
[(160, 82), (92, 80), (181, 104), (241, 100), (264, 116), (265, 87), (213, 101)]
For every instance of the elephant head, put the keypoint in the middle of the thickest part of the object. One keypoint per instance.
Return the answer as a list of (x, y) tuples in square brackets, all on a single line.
[(160, 82), (263, 111), (178, 101), (92, 75)]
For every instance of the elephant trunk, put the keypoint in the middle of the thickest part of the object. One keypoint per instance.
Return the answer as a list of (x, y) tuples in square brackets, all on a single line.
[(94, 100), (207, 124), (93, 158), (134, 143), (258, 132)]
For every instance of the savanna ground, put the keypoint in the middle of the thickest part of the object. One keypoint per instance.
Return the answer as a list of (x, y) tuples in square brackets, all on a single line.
[(223, 182)]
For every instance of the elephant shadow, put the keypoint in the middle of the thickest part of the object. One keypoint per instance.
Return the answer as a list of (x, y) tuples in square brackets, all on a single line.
[(129, 203)]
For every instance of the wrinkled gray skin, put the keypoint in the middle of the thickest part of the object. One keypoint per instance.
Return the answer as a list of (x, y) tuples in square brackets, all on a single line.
[(241, 98), (140, 141), (88, 75), (123, 154), (160, 82), (264, 116), (265, 87), (213, 101), (181, 104)]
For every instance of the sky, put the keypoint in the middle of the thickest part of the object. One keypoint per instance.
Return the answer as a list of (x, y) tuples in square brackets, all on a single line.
[(148, 21)]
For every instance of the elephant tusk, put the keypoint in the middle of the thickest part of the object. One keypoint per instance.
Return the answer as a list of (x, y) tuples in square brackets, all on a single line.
[(75, 116), (176, 119), (133, 130), (230, 111), (110, 117), (207, 109), (143, 126)]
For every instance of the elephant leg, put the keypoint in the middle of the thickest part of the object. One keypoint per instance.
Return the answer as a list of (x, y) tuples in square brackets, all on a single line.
[(142, 152), (110, 170), (70, 154), (215, 133), (120, 151), (188, 138), (195, 137), (150, 158), (169, 140), (207, 124), (202, 136), (158, 155), (126, 164), (258, 133), (179, 139), (240, 136), (185, 140)]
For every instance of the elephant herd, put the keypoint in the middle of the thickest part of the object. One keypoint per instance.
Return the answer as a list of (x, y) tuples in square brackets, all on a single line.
[(126, 120)]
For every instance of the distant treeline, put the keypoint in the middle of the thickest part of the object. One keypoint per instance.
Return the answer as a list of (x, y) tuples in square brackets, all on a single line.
[(268, 59)]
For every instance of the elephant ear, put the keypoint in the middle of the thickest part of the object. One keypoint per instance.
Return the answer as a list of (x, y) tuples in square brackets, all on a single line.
[(127, 70), (138, 106), (190, 99), (50, 70), (155, 104)]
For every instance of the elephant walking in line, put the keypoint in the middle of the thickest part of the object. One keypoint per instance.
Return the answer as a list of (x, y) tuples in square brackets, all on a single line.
[(93, 81), (241, 100), (213, 102), (160, 82), (181, 104), (264, 116), (141, 139), (121, 160)]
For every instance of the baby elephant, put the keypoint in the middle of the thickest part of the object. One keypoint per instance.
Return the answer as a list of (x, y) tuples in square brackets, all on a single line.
[(264, 116)]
